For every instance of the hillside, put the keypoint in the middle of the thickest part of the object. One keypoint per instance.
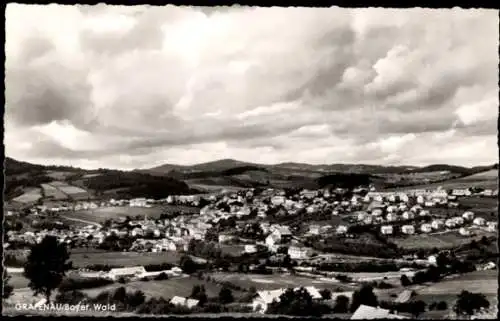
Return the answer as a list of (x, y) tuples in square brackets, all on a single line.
[(26, 183)]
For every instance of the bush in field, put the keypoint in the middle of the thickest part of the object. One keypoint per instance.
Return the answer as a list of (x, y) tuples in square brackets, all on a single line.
[(441, 306), (341, 304), (469, 303), (405, 281), (71, 284), (226, 295), (71, 297), (122, 280), (363, 296), (158, 267), (161, 276), (326, 294)]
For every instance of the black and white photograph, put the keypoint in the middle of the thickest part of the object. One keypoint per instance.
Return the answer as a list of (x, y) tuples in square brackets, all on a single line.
[(255, 162)]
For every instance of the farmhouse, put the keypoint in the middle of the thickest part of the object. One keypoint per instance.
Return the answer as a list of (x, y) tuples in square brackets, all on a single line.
[(189, 303), (365, 312), (264, 298), (127, 272), (386, 230)]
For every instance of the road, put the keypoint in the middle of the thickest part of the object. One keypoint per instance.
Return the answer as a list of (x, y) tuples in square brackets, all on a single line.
[(82, 221)]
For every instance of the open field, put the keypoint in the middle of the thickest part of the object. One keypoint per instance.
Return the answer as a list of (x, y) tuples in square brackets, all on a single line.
[(181, 286), (124, 259), (58, 175), (271, 282), (487, 179), (482, 205), (101, 214), (52, 192), (17, 280), (31, 195), (440, 241)]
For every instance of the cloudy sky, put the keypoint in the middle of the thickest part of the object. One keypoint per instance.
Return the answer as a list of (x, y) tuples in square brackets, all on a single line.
[(134, 87)]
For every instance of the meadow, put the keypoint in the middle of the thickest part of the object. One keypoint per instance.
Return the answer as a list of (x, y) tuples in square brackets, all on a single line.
[(81, 259), (272, 282), (180, 286), (488, 179), (30, 196), (101, 214), (50, 191), (440, 241)]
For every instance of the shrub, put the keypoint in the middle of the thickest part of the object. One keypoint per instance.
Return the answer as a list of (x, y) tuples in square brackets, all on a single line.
[(441, 306), (161, 276)]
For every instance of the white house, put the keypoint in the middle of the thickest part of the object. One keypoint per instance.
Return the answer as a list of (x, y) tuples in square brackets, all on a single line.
[(278, 200), (386, 229), (250, 248), (189, 303), (225, 238), (432, 260), (437, 224), (368, 220), (391, 217), (377, 212), (299, 253), (408, 215), (365, 312), (420, 199), (464, 231), (449, 223), (426, 228), (492, 226), (408, 229), (362, 216), (469, 216), (264, 298), (429, 203), (126, 272), (391, 209), (341, 229), (479, 221)]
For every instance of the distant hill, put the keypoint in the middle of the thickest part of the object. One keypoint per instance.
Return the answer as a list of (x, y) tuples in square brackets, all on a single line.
[(21, 176), (169, 179)]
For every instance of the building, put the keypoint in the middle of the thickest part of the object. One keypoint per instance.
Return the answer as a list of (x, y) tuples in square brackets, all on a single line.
[(278, 200), (408, 215), (461, 192), (314, 229), (341, 229), (479, 221), (225, 238), (450, 223), (426, 228), (250, 248), (299, 253), (365, 312), (492, 226), (182, 301), (437, 224), (408, 229), (391, 217), (264, 298), (386, 230), (469, 216), (127, 272), (464, 232)]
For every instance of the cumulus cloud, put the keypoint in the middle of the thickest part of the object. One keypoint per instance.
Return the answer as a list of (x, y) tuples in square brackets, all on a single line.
[(128, 87)]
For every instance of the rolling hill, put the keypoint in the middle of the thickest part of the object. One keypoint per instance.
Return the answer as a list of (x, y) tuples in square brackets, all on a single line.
[(160, 181), (24, 178)]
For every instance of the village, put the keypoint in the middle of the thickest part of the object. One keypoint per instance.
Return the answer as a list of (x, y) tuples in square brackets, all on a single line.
[(278, 227)]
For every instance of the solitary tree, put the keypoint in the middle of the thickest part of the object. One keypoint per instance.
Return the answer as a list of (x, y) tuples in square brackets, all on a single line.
[(7, 288), (364, 296), (469, 303), (198, 293), (417, 308), (341, 304), (226, 295), (326, 294), (405, 281), (46, 266)]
